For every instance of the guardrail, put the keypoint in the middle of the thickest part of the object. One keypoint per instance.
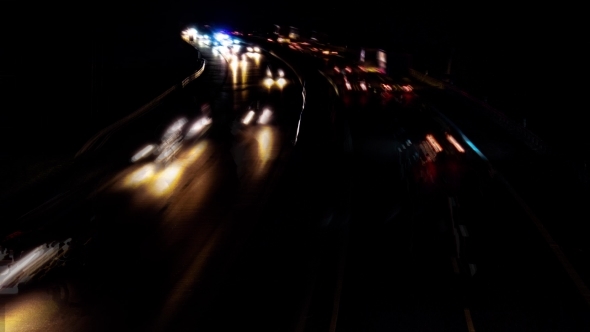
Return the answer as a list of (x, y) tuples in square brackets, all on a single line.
[(102, 136), (426, 79), (303, 92), (531, 140)]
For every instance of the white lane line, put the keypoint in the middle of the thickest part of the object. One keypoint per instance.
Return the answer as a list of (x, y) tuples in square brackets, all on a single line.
[(330, 82)]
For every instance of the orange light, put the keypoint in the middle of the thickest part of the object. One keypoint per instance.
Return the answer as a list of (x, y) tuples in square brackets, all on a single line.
[(437, 148), (455, 143)]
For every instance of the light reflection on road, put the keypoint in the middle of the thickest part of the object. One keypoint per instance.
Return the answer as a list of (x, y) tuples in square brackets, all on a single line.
[(267, 147), (185, 186), (161, 183), (30, 312)]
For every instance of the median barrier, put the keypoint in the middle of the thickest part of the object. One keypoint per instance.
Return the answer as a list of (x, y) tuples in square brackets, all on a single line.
[(103, 135)]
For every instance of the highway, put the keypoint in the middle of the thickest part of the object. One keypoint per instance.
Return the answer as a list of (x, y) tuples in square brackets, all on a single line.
[(295, 203)]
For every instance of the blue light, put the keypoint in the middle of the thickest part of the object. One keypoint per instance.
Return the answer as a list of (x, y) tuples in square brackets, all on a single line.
[(473, 147)]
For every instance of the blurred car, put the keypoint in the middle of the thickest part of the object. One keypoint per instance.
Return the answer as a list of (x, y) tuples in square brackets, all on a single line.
[(172, 140), (255, 114), (275, 76)]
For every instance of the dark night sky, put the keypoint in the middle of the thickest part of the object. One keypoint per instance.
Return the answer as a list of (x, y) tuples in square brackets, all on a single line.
[(523, 49)]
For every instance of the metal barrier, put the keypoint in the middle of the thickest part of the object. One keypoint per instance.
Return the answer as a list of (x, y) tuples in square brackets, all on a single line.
[(194, 76), (100, 138)]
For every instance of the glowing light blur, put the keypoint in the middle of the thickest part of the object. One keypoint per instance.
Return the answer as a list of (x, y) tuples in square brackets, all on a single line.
[(265, 116), (249, 49), (265, 143), (30, 312), (26, 267), (166, 180), (248, 118), (257, 49), (160, 182), (430, 139), (140, 175), (192, 154), (244, 70), (146, 151), (281, 82), (456, 144), (220, 36), (198, 126), (363, 86), (348, 86), (268, 82), (234, 64), (175, 128), (281, 73), (168, 152)]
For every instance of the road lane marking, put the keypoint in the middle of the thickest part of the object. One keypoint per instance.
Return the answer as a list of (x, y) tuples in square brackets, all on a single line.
[(330, 82), (468, 320)]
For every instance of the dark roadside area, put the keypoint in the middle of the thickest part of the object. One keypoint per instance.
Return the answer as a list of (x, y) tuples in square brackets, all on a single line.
[(51, 111), (554, 183)]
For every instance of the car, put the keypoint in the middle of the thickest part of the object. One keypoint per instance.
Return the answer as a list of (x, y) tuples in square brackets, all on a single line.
[(257, 114), (172, 141), (275, 76)]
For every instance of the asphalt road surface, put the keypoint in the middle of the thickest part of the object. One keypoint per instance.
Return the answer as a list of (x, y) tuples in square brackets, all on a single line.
[(381, 217)]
